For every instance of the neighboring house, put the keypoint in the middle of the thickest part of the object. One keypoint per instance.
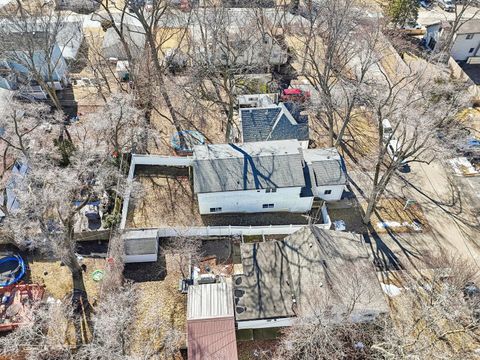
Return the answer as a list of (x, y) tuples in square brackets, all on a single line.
[(256, 100), (269, 176), (274, 122), (233, 43), (23, 51), (310, 271), (211, 322), (113, 47), (328, 174), (466, 42), (78, 5)]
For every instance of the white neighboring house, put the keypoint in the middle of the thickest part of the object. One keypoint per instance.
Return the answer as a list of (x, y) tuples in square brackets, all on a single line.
[(466, 42), (50, 58), (269, 176), (328, 174)]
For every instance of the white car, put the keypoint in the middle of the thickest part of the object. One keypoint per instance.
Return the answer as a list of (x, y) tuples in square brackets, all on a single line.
[(387, 130), (392, 149)]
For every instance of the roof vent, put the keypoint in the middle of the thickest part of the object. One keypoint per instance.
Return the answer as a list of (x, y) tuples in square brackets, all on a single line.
[(240, 309)]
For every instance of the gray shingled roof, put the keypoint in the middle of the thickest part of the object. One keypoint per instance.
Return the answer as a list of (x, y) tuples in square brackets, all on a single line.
[(229, 167), (272, 123), (314, 267), (326, 167)]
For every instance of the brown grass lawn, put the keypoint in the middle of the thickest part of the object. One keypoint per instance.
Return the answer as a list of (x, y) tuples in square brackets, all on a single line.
[(166, 202), (160, 307), (361, 136), (193, 114), (58, 279), (392, 209)]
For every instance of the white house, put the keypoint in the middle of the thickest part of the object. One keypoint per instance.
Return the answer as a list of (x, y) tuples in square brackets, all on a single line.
[(328, 174), (249, 178), (21, 49), (78, 5), (466, 42), (269, 176)]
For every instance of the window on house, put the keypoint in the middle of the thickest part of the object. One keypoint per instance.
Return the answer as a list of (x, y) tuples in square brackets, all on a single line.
[(471, 50), (217, 209), (469, 36), (267, 206), (268, 190), (327, 192)]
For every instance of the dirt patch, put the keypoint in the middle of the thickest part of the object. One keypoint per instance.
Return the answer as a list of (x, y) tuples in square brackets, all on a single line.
[(167, 201), (160, 311), (256, 349), (58, 279)]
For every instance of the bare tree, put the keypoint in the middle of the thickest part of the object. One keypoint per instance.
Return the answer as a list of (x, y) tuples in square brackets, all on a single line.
[(121, 125), (26, 129), (226, 46), (45, 336), (51, 199), (337, 52), (464, 11), (185, 251), (422, 106), (434, 314), (113, 318)]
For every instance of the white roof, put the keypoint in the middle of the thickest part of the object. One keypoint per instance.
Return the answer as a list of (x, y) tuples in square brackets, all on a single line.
[(314, 155), (210, 301), (263, 148)]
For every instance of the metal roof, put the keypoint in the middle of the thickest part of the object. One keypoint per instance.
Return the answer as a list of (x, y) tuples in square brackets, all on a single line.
[(326, 167), (257, 165), (211, 322), (209, 301), (212, 339)]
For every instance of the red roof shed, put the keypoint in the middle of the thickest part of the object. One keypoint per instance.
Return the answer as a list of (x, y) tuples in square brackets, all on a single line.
[(211, 322)]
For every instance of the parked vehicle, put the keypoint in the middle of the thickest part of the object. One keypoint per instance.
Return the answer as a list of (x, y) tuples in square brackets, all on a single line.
[(426, 4), (295, 95), (393, 148), (387, 131), (446, 5)]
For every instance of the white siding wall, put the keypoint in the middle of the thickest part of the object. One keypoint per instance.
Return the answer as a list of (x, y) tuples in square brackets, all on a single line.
[(337, 191), (462, 45), (251, 201)]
